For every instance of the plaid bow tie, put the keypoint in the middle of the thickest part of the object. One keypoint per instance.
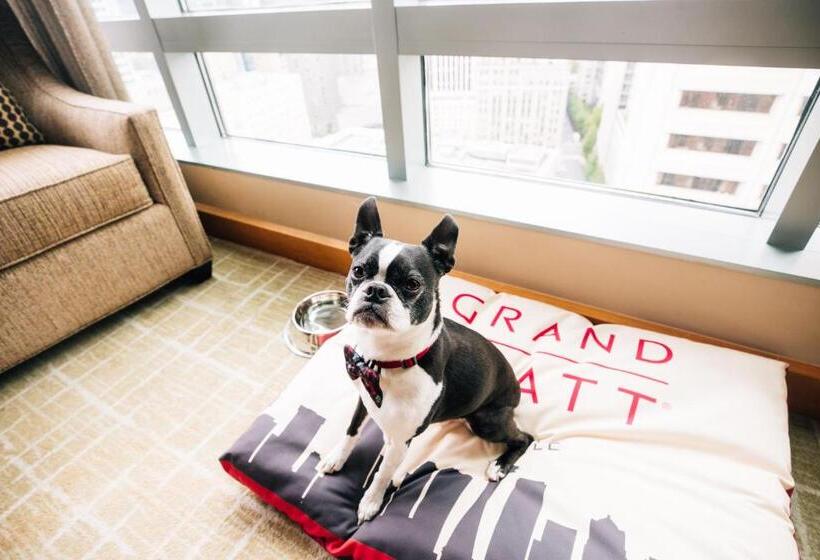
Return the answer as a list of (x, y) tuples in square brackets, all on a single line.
[(369, 372)]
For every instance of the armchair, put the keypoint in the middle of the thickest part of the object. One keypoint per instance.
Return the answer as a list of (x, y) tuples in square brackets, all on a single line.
[(91, 221)]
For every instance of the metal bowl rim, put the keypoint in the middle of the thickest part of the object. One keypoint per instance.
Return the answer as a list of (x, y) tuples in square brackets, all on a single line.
[(295, 323), (293, 347)]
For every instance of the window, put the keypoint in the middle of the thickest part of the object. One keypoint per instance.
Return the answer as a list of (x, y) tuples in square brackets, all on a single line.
[(558, 128), (325, 100), (144, 83), (748, 102), (213, 5), (113, 10), (697, 183), (803, 105), (566, 120), (711, 144)]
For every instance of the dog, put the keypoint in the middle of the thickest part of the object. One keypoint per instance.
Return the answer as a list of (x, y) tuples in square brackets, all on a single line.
[(411, 366)]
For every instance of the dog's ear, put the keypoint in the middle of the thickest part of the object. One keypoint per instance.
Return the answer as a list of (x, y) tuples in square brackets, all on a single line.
[(368, 225), (441, 244)]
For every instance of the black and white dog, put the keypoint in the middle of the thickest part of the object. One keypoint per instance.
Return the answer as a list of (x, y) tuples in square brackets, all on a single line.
[(412, 367)]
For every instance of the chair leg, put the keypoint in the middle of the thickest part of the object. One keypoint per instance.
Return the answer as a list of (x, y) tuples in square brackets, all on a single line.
[(199, 274)]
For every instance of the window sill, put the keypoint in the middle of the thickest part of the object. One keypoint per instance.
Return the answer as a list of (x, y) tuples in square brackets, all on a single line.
[(722, 238)]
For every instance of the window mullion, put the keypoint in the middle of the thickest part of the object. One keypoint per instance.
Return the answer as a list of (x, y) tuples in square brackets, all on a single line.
[(183, 81), (385, 42), (801, 214), (188, 86), (412, 108)]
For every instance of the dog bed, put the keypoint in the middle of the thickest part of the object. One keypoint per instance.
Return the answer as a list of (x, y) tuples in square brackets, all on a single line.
[(647, 446)]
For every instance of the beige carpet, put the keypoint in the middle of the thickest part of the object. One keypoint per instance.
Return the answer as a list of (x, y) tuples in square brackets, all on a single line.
[(109, 442)]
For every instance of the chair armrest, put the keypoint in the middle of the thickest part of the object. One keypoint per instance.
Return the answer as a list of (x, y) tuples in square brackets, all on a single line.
[(66, 116)]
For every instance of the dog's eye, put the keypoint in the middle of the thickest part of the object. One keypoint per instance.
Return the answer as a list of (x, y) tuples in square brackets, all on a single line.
[(358, 272), (412, 285)]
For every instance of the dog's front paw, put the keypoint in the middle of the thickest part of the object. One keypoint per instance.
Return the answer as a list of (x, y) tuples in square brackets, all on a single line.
[(398, 478), (369, 506), (335, 459), (495, 471)]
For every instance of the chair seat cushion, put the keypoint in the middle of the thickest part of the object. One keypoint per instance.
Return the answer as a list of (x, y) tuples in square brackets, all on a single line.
[(50, 194), (647, 446)]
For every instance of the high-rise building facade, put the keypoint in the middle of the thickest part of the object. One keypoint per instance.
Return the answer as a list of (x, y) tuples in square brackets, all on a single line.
[(587, 77), (311, 99), (496, 109), (721, 131)]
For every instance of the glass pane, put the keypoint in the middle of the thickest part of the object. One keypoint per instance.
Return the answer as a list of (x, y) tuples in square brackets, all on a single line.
[(711, 134), (112, 10), (212, 5), (326, 100), (144, 83)]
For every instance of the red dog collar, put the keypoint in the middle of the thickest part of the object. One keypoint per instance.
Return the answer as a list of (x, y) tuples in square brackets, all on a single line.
[(408, 363)]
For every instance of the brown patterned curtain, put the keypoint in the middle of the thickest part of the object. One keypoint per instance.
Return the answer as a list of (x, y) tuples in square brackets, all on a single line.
[(68, 37)]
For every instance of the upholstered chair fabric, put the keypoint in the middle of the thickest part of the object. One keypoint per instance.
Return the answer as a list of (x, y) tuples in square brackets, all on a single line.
[(93, 220)]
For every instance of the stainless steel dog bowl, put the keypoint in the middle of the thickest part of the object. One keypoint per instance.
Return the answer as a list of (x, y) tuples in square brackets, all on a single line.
[(314, 320)]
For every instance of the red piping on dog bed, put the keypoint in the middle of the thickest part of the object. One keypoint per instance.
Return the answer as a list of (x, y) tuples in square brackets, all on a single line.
[(338, 547)]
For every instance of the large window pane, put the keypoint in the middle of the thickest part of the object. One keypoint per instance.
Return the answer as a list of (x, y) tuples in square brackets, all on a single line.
[(112, 10), (144, 83), (326, 100), (712, 134), (210, 5)]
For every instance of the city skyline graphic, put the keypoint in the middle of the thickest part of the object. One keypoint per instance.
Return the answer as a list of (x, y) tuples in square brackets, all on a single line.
[(415, 514)]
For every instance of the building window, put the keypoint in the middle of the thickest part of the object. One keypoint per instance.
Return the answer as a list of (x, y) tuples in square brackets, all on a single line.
[(746, 102), (698, 183), (143, 81), (564, 120), (712, 144), (325, 100)]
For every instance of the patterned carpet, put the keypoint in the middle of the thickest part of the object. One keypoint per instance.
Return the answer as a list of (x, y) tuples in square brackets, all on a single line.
[(109, 442)]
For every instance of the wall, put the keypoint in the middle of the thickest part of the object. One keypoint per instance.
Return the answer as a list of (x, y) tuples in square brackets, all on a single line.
[(768, 313)]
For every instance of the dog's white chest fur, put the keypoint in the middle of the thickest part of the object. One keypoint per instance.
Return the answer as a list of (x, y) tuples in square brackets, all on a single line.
[(409, 394)]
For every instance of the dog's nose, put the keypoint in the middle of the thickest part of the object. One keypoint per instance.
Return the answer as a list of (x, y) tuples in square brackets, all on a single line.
[(376, 293)]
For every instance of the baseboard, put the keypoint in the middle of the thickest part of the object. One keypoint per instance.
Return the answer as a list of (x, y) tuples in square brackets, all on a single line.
[(308, 248), (324, 252)]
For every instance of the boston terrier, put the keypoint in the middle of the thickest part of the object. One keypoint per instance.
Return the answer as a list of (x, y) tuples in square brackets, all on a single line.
[(411, 366)]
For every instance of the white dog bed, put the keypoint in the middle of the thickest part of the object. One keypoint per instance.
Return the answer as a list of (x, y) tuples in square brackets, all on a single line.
[(647, 446)]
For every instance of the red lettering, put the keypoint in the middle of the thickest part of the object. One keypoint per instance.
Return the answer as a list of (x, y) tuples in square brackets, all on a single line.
[(642, 345), (507, 320), (471, 318), (577, 389), (529, 375), (549, 331), (590, 332), (636, 398)]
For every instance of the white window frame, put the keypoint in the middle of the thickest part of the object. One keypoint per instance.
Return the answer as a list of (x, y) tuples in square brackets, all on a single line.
[(780, 33)]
